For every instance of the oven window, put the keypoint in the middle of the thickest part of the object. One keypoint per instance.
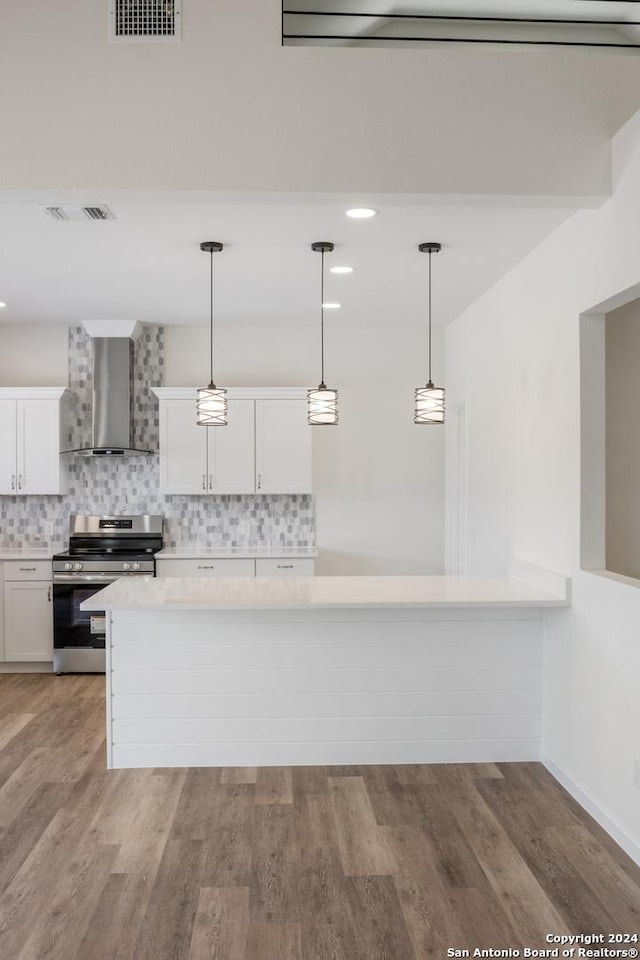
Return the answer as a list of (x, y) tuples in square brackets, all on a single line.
[(79, 595), (73, 627)]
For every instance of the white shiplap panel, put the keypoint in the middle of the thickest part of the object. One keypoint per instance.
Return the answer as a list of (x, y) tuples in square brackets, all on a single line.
[(219, 688), (276, 729), (449, 703), (285, 753), (339, 633), (316, 656), (328, 681), (327, 616)]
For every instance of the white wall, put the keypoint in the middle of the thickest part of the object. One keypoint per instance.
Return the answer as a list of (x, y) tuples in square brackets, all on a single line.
[(33, 356), (622, 338), (378, 478), (514, 355)]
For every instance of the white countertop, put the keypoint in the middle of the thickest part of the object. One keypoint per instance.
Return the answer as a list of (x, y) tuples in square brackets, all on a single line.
[(29, 553), (272, 593), (199, 552)]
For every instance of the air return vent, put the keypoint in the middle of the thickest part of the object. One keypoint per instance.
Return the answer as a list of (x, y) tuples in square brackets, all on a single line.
[(77, 213), (145, 21)]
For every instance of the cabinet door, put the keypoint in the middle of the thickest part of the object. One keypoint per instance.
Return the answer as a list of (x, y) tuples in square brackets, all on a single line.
[(205, 567), (283, 447), (285, 567), (183, 448), (28, 621), (2, 657), (232, 451), (38, 446), (8, 471)]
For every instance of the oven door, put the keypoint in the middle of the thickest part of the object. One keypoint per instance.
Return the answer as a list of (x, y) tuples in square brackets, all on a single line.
[(73, 627)]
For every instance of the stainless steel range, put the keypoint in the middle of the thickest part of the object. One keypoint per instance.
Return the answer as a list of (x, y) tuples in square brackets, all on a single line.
[(101, 549)]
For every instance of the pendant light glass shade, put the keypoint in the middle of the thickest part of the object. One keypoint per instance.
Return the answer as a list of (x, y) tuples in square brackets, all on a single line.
[(322, 402), (322, 406), (429, 403), (429, 400), (211, 406)]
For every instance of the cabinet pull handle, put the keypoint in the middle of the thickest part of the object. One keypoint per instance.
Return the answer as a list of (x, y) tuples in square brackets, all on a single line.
[(27, 569), (259, 481), (211, 566), (19, 481), (13, 481), (210, 481), (204, 481), (285, 566), (49, 594)]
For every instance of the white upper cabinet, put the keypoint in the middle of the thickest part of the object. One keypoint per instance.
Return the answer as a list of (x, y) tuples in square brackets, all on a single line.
[(183, 449), (8, 431), (264, 448), (197, 459), (32, 426), (232, 450), (283, 447)]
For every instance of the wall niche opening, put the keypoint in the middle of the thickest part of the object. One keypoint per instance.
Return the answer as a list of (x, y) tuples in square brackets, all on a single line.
[(622, 440), (610, 437)]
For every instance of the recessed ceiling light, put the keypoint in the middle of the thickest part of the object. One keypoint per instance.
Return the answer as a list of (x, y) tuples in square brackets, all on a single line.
[(341, 270), (2, 305), (331, 306), (361, 213)]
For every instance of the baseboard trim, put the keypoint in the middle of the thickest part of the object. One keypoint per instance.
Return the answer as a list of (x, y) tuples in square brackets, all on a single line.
[(606, 821), (34, 666)]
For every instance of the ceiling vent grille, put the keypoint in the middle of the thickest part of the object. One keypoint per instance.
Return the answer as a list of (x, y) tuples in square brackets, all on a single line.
[(97, 213), (78, 213), (145, 21)]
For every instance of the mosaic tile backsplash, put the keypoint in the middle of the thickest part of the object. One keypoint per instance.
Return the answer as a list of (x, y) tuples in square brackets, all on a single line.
[(131, 485)]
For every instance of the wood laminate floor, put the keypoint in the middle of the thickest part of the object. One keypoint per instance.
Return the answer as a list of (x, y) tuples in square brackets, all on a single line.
[(302, 863)]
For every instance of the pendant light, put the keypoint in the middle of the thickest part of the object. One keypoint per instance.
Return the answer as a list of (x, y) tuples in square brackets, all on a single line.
[(322, 403), (429, 400), (212, 401)]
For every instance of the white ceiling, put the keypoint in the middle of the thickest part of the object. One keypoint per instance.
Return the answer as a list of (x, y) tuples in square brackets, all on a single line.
[(230, 109), (212, 123), (147, 266)]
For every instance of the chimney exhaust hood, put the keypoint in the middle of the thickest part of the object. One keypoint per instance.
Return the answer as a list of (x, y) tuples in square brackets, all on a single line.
[(112, 406)]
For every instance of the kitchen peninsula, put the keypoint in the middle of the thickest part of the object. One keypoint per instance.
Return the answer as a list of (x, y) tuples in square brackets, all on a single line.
[(325, 670)]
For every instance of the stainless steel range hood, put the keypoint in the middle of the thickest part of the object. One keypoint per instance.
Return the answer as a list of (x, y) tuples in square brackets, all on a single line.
[(112, 408)]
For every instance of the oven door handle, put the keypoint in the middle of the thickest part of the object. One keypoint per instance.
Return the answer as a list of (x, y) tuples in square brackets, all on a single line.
[(80, 578)]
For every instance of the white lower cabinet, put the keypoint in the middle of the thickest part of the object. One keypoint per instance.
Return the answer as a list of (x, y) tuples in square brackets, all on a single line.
[(235, 567), (28, 612), (1, 613), (204, 567), (283, 567)]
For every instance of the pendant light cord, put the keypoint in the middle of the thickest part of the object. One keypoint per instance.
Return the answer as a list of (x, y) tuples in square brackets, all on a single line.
[(430, 255), (322, 319), (211, 311)]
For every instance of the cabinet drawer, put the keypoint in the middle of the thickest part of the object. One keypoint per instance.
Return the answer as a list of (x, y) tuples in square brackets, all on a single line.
[(283, 567), (205, 567), (27, 570)]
